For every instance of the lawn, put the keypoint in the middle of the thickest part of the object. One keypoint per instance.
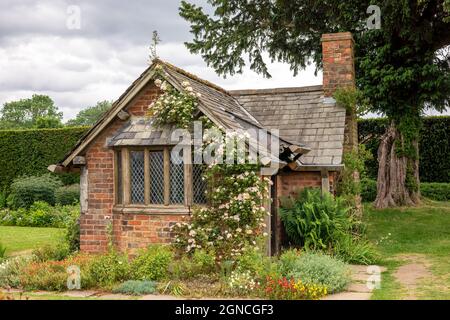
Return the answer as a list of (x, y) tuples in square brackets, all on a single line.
[(416, 238), (22, 239)]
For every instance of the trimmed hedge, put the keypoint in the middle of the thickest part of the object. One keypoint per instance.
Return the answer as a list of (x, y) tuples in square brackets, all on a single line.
[(30, 152), (434, 146), (434, 191)]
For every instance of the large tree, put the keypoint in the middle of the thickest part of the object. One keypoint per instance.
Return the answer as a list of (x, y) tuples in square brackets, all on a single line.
[(402, 68), (39, 111), (90, 115)]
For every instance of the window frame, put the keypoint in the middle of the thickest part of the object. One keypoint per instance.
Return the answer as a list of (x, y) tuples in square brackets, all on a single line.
[(124, 153)]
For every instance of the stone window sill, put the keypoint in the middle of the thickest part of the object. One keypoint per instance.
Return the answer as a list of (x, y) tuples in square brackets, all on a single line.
[(152, 209)]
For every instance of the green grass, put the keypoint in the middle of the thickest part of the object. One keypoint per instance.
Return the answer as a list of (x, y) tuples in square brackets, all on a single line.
[(424, 230), (20, 239)]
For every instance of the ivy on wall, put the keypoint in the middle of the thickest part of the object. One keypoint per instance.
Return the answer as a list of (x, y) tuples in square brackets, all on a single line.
[(30, 152), (434, 146)]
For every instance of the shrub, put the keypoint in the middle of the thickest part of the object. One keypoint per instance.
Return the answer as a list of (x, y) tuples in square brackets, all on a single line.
[(136, 288), (11, 270), (68, 195), (314, 220), (40, 214), (282, 288), (152, 263), (14, 217), (436, 191), (356, 251), (48, 252), (27, 190), (256, 262), (110, 268), (72, 235), (201, 262), (316, 268), (3, 200), (53, 275), (368, 190), (288, 261), (431, 190)]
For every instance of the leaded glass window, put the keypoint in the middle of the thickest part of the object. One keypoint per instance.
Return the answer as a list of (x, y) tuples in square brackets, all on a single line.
[(147, 176), (199, 184), (157, 177), (137, 177), (176, 179)]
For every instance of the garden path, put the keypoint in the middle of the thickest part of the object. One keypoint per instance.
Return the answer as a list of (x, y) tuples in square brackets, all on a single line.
[(363, 283)]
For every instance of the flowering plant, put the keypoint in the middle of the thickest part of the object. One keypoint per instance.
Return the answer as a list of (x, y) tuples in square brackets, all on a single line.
[(242, 283), (235, 217), (173, 106), (282, 288)]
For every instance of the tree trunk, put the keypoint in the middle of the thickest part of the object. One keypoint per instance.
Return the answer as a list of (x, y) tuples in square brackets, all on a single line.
[(398, 176)]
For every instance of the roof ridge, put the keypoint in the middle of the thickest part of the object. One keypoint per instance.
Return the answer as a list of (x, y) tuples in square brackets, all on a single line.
[(276, 90), (191, 75)]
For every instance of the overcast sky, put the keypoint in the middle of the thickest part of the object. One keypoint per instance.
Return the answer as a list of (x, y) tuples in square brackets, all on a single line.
[(39, 53), (43, 51)]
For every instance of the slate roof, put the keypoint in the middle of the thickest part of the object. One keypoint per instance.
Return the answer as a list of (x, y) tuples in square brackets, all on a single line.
[(139, 131), (217, 100), (302, 116)]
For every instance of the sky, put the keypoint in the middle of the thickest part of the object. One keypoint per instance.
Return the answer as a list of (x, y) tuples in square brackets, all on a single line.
[(79, 52)]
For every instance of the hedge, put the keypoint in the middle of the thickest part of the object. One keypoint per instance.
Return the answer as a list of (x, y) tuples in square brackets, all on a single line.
[(30, 152), (434, 191), (434, 146)]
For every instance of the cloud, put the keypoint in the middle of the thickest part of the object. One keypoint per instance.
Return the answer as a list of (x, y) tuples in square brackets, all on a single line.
[(77, 68)]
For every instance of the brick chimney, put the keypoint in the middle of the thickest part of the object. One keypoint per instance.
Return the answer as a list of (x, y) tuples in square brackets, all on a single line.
[(339, 72), (338, 62)]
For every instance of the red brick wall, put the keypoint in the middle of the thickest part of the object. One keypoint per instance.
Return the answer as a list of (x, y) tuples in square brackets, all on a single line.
[(289, 184), (135, 231), (130, 231), (338, 62)]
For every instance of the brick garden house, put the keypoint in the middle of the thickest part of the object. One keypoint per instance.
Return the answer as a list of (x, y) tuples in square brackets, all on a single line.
[(127, 175)]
